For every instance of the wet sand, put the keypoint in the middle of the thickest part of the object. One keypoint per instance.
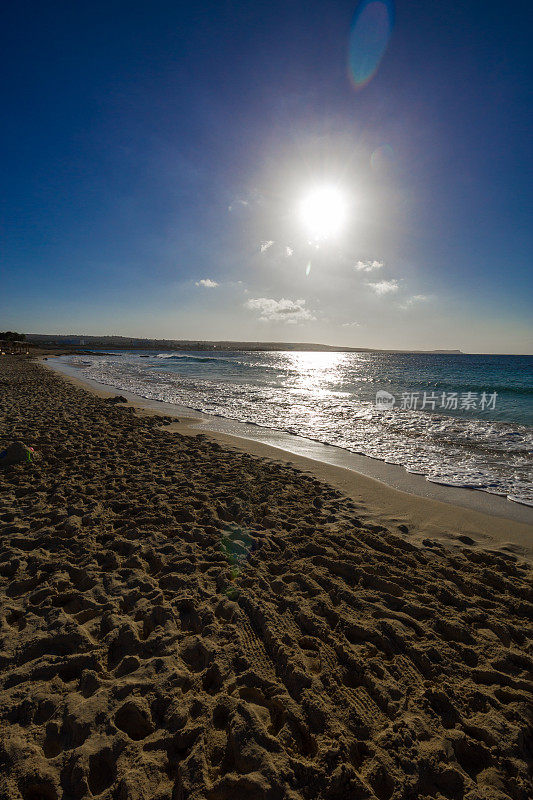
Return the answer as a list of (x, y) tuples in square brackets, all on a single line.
[(183, 619), (383, 490)]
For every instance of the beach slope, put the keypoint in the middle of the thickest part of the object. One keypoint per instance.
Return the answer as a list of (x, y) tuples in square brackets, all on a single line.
[(180, 620)]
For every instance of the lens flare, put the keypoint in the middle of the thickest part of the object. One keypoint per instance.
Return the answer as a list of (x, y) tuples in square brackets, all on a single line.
[(382, 157), (237, 543), (370, 34)]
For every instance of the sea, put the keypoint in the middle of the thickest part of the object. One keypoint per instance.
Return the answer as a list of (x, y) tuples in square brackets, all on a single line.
[(459, 420)]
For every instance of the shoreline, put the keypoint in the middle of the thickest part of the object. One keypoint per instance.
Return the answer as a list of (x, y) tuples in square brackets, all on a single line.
[(182, 618), (450, 515)]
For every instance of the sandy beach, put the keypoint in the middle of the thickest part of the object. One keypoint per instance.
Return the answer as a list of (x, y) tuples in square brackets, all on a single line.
[(190, 617)]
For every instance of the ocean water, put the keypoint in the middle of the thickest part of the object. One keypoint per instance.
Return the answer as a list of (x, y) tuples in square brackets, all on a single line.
[(457, 419)]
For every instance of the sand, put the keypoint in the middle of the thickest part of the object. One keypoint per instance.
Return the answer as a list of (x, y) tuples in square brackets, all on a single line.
[(450, 515), (184, 620)]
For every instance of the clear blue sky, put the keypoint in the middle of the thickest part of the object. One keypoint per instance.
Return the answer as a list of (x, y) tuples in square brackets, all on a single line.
[(154, 149)]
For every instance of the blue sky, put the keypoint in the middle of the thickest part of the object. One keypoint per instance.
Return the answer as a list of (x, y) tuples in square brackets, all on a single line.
[(153, 150)]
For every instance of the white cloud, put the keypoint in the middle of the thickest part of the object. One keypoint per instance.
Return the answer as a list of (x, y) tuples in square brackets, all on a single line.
[(238, 203), (368, 266), (207, 283), (350, 324), (416, 298), (384, 287), (244, 202), (284, 310), (277, 250)]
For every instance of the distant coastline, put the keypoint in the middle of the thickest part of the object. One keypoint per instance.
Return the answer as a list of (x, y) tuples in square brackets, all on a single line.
[(128, 343)]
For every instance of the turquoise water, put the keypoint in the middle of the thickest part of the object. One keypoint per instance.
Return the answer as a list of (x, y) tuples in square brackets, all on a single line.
[(460, 420)]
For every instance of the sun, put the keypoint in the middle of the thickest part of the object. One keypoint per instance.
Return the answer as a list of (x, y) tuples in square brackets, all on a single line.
[(323, 212)]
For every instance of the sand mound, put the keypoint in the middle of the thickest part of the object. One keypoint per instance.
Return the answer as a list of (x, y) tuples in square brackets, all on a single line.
[(183, 622)]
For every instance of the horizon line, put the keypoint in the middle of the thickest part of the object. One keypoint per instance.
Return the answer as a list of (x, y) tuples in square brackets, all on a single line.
[(242, 344)]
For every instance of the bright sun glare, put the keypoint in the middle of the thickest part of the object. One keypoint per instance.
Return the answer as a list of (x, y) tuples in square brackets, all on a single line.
[(323, 212)]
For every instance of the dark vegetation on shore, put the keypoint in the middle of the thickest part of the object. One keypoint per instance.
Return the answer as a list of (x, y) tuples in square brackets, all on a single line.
[(128, 343)]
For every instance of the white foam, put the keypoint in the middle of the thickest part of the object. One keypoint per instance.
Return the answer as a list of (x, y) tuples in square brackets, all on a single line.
[(454, 451)]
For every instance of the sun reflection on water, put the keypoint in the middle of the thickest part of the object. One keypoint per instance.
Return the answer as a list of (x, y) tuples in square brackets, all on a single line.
[(314, 372)]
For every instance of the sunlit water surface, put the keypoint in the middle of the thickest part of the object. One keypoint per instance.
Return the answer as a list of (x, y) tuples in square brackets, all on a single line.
[(330, 397)]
